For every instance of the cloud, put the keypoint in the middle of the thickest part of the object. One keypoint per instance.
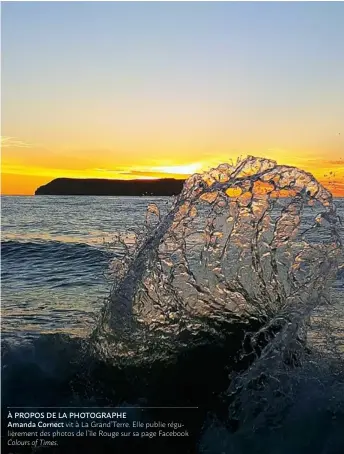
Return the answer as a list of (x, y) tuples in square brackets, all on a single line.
[(114, 169), (141, 173), (321, 161), (11, 142), (138, 175), (334, 163)]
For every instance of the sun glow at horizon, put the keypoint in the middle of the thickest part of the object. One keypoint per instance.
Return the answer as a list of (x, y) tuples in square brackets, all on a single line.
[(187, 169), (25, 179), (135, 100)]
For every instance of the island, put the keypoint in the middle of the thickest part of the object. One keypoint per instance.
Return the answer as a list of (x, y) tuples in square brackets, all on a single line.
[(102, 187)]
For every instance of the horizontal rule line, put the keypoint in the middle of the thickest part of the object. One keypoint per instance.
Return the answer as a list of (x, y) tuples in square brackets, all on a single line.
[(102, 408)]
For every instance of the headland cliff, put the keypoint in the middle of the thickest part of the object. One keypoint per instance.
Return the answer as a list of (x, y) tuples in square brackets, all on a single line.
[(95, 186)]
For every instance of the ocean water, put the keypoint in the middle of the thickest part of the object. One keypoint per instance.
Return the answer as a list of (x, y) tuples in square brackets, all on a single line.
[(229, 302), (55, 255)]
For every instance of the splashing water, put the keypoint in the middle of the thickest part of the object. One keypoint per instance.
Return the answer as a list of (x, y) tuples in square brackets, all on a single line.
[(212, 305), (250, 242)]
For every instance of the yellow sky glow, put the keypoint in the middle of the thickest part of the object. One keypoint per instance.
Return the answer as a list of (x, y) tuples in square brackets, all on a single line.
[(166, 89), (26, 166)]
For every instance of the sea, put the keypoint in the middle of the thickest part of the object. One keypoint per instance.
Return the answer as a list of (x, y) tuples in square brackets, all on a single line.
[(55, 254), (61, 291)]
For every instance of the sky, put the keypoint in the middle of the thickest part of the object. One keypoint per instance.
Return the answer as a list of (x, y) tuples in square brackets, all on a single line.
[(136, 90)]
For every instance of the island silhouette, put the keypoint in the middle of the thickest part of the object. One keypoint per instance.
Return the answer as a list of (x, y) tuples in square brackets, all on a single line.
[(97, 186)]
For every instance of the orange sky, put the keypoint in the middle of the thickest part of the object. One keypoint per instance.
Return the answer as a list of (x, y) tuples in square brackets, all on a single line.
[(25, 166), (161, 89)]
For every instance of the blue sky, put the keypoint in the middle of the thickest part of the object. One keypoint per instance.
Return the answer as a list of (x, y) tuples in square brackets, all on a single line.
[(174, 82)]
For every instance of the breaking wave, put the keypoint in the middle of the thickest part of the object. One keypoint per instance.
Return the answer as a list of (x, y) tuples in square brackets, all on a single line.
[(250, 242), (245, 257), (224, 303)]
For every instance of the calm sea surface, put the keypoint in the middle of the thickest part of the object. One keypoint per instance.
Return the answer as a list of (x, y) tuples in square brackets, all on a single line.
[(55, 253)]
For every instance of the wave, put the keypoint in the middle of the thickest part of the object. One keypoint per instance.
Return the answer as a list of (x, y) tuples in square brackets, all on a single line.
[(42, 270), (244, 259), (22, 249), (52, 260), (251, 241), (213, 306)]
